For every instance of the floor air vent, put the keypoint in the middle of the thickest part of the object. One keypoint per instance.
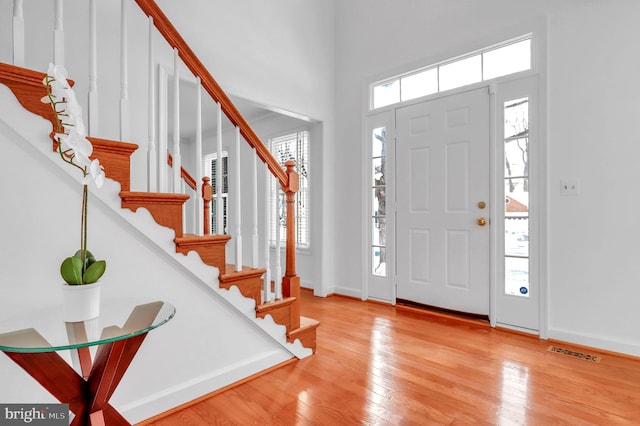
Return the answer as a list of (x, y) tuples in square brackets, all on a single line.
[(574, 354)]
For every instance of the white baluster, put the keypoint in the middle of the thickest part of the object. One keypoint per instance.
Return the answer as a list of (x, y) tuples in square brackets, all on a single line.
[(218, 189), (93, 70), (163, 131), (124, 78), (267, 224), (58, 34), (18, 33), (278, 268), (238, 204), (177, 159), (152, 155), (255, 244), (199, 205)]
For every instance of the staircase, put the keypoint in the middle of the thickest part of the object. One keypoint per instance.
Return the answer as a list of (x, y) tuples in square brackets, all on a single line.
[(167, 207)]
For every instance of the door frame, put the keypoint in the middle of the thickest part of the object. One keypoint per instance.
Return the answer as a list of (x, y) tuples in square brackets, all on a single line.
[(539, 262)]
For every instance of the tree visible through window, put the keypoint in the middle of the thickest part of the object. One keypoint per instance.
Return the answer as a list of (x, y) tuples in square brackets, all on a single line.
[(516, 188), (295, 147), (379, 202)]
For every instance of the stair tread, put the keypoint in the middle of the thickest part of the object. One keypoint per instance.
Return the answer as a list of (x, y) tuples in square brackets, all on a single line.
[(153, 195), (305, 324), (112, 145), (267, 306), (230, 271), (192, 238)]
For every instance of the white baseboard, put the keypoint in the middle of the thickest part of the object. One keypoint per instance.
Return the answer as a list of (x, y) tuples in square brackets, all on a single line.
[(344, 291), (594, 341), (167, 399)]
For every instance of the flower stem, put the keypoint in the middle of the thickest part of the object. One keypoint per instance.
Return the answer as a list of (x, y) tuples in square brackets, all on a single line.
[(83, 230)]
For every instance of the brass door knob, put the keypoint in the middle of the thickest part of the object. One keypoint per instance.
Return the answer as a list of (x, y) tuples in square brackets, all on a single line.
[(481, 221)]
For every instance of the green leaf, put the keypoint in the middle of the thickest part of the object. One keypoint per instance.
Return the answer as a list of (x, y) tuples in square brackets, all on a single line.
[(94, 271), (88, 258), (71, 270)]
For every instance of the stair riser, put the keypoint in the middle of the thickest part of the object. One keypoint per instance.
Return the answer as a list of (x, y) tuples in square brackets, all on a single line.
[(249, 287), (281, 315)]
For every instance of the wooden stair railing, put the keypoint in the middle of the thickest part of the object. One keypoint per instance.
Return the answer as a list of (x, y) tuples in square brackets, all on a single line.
[(288, 180), (186, 177), (175, 40)]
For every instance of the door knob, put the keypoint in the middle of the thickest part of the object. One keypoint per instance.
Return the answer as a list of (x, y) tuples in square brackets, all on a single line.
[(481, 221)]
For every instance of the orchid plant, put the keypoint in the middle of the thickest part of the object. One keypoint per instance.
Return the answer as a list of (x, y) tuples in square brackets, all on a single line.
[(75, 149)]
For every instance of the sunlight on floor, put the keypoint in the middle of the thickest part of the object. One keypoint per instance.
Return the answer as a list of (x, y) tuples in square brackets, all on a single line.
[(514, 394), (381, 364)]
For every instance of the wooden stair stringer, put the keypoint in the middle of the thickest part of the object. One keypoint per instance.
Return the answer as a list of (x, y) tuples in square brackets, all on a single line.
[(166, 209), (248, 281), (28, 88), (115, 157), (280, 311), (306, 334), (211, 248)]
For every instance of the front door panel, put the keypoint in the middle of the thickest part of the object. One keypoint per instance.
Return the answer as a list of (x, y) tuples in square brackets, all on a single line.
[(442, 181)]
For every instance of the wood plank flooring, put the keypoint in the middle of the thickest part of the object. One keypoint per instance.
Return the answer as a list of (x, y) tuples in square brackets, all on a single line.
[(380, 365)]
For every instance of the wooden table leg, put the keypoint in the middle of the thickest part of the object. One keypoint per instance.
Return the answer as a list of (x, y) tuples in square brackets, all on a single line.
[(112, 361), (55, 375), (88, 400)]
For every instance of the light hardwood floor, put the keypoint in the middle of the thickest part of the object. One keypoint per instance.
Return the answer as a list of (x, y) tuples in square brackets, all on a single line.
[(380, 365)]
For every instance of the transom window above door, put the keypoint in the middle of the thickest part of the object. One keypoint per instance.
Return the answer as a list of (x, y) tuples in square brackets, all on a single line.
[(485, 64)]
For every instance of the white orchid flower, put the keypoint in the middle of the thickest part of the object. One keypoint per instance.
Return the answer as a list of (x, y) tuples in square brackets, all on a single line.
[(75, 141), (74, 114), (59, 85), (95, 172)]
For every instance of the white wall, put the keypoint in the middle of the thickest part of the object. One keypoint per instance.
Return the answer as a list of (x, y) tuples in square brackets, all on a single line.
[(592, 101)]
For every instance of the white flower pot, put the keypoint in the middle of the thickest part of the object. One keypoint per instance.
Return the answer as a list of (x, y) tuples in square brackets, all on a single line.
[(80, 302)]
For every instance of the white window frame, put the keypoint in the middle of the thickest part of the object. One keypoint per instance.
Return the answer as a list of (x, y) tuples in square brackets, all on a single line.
[(302, 138), (449, 62), (208, 161)]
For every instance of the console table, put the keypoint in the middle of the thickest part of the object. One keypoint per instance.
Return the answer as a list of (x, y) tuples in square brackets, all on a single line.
[(33, 339)]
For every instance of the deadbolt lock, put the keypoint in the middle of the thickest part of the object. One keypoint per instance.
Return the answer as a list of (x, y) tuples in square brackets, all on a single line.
[(482, 205)]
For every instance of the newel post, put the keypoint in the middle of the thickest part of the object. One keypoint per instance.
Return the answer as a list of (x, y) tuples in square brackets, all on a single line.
[(207, 195), (291, 281)]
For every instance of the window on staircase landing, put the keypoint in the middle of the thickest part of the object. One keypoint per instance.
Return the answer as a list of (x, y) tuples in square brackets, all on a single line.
[(292, 146), (211, 162)]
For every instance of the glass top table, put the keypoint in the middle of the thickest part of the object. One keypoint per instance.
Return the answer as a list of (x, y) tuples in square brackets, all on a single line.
[(44, 330), (33, 338)]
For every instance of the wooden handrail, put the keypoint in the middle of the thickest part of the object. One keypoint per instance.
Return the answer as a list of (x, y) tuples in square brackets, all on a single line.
[(175, 40), (188, 179)]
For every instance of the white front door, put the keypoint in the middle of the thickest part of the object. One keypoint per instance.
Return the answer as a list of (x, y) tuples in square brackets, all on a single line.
[(443, 190)]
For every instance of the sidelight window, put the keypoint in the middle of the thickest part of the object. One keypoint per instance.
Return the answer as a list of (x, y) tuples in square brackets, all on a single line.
[(516, 190), (379, 202)]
